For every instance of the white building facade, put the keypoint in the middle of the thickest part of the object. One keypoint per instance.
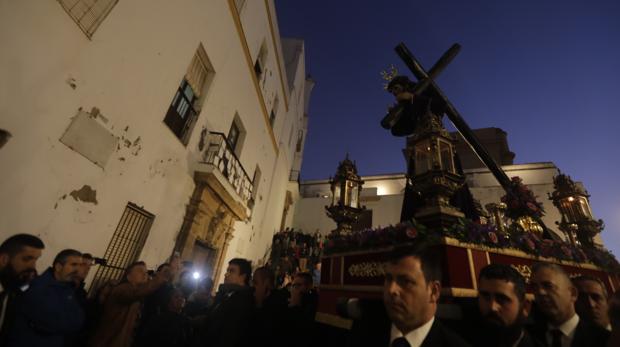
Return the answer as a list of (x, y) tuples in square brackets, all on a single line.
[(140, 128)]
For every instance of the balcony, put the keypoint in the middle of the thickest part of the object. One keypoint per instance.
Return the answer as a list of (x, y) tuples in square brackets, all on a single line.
[(219, 155), (294, 176)]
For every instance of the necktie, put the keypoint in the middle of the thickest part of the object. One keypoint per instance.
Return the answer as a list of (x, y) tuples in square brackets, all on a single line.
[(556, 338), (401, 342)]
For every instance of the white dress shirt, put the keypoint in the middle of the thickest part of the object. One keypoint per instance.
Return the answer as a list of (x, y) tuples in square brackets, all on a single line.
[(414, 337), (568, 331), (3, 305)]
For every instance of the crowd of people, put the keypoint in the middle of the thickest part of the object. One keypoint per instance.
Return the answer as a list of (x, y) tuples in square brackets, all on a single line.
[(565, 312), (53, 308), (250, 309), (293, 251)]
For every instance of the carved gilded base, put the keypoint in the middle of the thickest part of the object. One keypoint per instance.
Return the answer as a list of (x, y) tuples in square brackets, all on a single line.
[(438, 216)]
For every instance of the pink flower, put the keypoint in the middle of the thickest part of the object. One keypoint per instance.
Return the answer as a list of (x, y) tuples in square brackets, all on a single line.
[(493, 237), (532, 207), (530, 244), (411, 232)]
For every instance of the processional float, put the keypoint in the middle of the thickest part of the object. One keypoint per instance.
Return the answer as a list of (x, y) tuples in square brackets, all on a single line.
[(352, 266)]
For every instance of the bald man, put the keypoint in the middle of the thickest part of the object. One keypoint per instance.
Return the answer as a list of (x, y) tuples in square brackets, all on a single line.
[(555, 297)]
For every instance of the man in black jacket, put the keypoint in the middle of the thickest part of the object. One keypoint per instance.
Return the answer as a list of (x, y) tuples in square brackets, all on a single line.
[(555, 297), (228, 321), (503, 307), (18, 259), (411, 293), (49, 314), (270, 316), (591, 304)]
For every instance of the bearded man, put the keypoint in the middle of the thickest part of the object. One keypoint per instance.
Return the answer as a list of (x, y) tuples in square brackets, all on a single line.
[(504, 308), (18, 260)]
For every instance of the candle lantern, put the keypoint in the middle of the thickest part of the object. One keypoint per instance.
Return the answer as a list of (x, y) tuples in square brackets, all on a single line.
[(346, 187), (577, 223), (432, 171)]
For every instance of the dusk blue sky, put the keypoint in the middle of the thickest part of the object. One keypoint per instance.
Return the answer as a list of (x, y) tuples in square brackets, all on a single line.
[(546, 72)]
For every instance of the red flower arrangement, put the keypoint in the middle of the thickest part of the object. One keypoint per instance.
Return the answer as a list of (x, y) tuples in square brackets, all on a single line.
[(471, 232), (412, 232), (521, 202)]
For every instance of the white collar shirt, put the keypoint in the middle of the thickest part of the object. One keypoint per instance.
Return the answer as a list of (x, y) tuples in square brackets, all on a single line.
[(414, 337), (567, 328)]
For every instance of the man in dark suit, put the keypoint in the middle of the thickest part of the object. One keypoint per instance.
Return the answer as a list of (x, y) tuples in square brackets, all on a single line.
[(18, 259), (410, 295), (229, 319), (503, 307), (555, 297), (591, 304), (270, 317)]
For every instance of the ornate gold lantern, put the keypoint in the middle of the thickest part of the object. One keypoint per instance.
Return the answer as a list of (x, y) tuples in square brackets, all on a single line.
[(432, 170), (346, 187), (577, 222)]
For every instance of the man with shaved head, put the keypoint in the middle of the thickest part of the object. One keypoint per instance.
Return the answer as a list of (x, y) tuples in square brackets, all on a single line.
[(555, 297)]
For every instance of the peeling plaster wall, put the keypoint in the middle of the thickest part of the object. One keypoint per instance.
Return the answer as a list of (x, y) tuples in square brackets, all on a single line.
[(129, 71)]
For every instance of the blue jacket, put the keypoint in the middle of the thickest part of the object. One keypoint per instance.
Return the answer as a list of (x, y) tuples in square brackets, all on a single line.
[(48, 314)]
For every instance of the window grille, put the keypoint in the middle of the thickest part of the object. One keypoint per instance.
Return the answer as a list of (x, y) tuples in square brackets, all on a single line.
[(88, 14), (125, 246)]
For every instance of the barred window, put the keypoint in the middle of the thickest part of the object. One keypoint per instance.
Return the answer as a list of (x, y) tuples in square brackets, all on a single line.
[(88, 14), (125, 246)]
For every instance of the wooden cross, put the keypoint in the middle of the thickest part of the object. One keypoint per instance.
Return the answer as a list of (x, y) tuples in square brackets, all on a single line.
[(426, 80)]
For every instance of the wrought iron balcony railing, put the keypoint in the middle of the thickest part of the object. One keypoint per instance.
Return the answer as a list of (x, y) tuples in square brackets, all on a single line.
[(221, 155), (294, 176)]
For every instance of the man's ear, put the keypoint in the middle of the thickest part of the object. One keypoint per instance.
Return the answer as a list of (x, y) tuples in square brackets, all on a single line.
[(435, 287), (573, 293), (526, 307), (4, 260)]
